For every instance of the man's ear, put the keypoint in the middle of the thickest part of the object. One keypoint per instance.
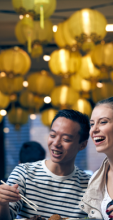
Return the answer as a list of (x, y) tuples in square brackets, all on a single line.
[(83, 144)]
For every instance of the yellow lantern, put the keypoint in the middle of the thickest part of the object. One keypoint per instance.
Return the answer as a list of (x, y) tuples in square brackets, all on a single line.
[(70, 41), (102, 56), (63, 96), (47, 116), (58, 36), (79, 84), (104, 92), (11, 85), (83, 106), (28, 100), (17, 117), (4, 100), (36, 34), (14, 61), (42, 9), (40, 83), (37, 50), (64, 62), (87, 69), (87, 25)]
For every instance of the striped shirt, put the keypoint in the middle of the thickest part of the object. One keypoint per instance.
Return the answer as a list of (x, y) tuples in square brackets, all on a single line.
[(53, 194)]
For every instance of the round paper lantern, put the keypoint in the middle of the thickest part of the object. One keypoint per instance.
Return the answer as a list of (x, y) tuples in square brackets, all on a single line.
[(29, 100), (83, 106), (64, 62), (63, 96), (58, 36), (4, 100), (11, 85), (36, 34), (17, 117), (80, 84), (102, 57), (40, 83), (87, 24), (104, 92), (87, 69), (47, 116), (14, 61), (38, 9)]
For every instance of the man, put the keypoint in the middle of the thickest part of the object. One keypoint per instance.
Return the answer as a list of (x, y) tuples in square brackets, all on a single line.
[(55, 185)]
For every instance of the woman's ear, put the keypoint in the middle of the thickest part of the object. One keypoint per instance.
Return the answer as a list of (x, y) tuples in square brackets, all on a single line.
[(83, 145)]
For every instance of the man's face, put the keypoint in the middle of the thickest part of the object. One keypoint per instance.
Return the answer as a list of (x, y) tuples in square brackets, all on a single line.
[(63, 141)]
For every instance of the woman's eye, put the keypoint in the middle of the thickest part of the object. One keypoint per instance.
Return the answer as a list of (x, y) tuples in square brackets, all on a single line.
[(103, 122), (52, 135), (91, 125)]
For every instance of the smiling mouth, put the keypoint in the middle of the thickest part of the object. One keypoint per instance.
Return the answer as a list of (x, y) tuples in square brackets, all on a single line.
[(56, 152), (99, 139)]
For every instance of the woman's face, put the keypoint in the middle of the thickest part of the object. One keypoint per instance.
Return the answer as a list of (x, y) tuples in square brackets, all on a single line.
[(101, 130)]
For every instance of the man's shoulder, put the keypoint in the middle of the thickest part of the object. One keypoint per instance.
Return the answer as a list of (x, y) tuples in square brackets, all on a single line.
[(82, 174)]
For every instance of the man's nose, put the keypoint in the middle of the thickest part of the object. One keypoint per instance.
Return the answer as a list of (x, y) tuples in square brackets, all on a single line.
[(57, 142)]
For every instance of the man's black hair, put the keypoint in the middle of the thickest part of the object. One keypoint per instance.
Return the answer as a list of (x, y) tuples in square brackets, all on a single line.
[(31, 151), (76, 116)]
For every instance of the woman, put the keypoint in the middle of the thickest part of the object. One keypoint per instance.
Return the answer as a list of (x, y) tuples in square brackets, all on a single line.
[(99, 193)]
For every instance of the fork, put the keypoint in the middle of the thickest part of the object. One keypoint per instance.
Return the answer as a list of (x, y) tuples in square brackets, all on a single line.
[(25, 199)]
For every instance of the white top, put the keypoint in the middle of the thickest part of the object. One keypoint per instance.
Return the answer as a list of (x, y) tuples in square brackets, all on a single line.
[(104, 203), (53, 194)]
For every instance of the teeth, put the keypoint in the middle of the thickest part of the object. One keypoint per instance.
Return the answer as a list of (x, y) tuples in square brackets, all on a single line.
[(98, 138), (56, 152)]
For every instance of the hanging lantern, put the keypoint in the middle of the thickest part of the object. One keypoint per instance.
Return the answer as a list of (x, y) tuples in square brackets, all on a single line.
[(58, 36), (11, 85), (42, 9), (83, 106), (47, 116), (36, 34), (17, 117), (4, 100), (87, 69), (79, 84), (37, 50), (14, 61), (64, 62), (63, 96), (87, 25), (104, 92), (102, 57), (28, 100), (40, 83)]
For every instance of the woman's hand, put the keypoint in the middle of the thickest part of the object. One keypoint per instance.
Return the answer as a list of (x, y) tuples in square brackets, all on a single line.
[(109, 211), (9, 194)]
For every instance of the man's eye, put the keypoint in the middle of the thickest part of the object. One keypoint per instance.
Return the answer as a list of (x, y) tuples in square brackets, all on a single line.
[(66, 140)]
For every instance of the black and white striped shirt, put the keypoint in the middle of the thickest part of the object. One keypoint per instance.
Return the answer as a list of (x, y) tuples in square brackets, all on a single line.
[(53, 194)]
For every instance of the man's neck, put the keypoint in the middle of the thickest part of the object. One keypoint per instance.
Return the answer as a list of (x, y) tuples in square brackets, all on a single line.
[(59, 169)]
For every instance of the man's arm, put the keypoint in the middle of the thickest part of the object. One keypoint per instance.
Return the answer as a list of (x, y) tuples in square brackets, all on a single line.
[(7, 194)]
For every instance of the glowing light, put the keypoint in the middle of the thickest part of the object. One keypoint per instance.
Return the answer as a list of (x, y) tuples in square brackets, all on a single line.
[(55, 28), (47, 99), (46, 57), (25, 84), (3, 112), (32, 116), (99, 85), (27, 15), (109, 27), (2, 74), (6, 130), (21, 17)]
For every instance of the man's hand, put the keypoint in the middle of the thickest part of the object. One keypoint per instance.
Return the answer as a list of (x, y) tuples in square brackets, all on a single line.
[(8, 194)]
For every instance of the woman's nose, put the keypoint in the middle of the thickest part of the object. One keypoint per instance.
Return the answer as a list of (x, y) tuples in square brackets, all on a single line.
[(95, 128)]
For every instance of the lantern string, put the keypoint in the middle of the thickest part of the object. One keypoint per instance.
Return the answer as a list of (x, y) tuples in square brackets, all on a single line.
[(41, 16)]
